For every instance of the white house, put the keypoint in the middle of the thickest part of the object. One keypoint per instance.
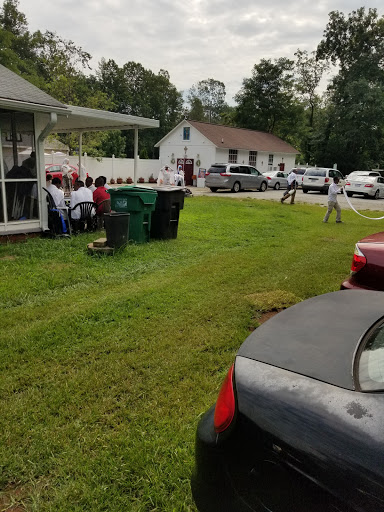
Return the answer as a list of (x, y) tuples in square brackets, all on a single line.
[(196, 146), (27, 116)]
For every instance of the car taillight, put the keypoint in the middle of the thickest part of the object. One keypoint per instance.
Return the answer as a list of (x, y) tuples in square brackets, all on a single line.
[(225, 405), (347, 183), (269, 178), (368, 185), (224, 174), (326, 180), (207, 173), (359, 261)]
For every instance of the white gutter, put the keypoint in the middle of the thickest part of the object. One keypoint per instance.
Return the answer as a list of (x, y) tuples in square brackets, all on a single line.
[(34, 107)]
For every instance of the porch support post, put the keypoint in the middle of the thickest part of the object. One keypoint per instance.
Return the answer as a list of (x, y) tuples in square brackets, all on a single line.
[(135, 155), (80, 151)]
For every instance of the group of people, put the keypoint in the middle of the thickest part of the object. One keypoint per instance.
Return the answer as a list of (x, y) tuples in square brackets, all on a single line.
[(167, 176), (333, 190), (82, 192)]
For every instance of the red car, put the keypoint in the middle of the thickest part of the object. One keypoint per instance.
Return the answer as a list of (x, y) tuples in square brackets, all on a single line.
[(367, 269), (55, 171)]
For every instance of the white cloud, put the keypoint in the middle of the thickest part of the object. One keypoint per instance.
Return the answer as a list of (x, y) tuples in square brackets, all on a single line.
[(219, 39)]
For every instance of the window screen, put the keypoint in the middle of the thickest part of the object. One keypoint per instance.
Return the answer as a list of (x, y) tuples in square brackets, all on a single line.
[(371, 364)]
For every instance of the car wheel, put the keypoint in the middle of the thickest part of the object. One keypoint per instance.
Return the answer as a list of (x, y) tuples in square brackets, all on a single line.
[(305, 190), (377, 194), (236, 187), (213, 189), (322, 191), (263, 186), (349, 194), (277, 186)]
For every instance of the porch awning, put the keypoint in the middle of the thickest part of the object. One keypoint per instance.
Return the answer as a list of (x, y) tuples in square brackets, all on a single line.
[(80, 119)]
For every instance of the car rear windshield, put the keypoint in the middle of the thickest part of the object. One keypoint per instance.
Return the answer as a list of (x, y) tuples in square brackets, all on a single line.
[(371, 364), (316, 172), (299, 171), (364, 178), (217, 168)]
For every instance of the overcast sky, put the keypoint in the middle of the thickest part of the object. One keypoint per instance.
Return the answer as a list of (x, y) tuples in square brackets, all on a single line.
[(193, 40)]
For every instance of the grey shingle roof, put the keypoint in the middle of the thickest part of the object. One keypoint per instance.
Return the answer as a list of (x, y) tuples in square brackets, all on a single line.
[(239, 138), (14, 87)]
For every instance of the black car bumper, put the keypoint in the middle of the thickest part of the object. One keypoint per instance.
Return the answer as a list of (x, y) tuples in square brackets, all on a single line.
[(212, 487)]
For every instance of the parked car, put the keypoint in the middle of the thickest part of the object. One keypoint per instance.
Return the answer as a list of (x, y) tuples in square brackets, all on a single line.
[(319, 179), (298, 425), (367, 186), (276, 179), (55, 171), (362, 173), (299, 171), (235, 177), (367, 268)]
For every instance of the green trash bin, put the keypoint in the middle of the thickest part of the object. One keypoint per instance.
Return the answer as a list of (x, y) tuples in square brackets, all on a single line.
[(139, 202)]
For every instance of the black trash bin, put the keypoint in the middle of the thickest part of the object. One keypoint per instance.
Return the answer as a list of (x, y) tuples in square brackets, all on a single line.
[(117, 229), (165, 217)]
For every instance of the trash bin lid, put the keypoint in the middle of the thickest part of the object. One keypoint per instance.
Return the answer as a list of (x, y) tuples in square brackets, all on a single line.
[(132, 190), (169, 188)]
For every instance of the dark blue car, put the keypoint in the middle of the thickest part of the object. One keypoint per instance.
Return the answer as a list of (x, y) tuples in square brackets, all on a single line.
[(299, 421)]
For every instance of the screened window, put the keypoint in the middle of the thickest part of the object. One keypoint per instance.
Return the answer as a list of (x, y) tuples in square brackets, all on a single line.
[(232, 156), (270, 159), (371, 364), (18, 177)]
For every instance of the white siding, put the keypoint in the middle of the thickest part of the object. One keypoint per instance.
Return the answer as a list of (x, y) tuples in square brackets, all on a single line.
[(198, 148)]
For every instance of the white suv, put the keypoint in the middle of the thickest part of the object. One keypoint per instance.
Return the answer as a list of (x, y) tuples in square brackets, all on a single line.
[(319, 179)]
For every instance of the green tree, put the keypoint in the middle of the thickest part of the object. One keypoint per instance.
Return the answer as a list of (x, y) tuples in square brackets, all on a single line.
[(17, 50), (140, 92), (211, 96), (351, 133), (196, 111), (267, 98)]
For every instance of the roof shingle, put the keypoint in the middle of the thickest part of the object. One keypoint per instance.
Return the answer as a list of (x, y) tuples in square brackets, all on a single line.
[(14, 87), (239, 138)]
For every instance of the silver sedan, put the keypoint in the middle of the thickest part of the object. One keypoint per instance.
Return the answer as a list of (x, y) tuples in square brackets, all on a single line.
[(276, 179)]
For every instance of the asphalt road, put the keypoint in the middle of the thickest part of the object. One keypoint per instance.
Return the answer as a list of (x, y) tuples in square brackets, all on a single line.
[(359, 203)]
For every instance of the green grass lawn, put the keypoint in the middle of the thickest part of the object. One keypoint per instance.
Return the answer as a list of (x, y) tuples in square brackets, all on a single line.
[(107, 363)]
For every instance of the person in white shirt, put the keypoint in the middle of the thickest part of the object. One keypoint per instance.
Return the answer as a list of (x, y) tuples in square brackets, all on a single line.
[(67, 176), (179, 177), (333, 190), (79, 195), (291, 188), (89, 184), (56, 192)]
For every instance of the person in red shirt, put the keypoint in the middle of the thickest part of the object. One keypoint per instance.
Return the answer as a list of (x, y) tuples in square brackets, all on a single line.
[(100, 194)]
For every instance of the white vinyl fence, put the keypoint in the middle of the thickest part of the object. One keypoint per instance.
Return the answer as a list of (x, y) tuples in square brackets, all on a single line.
[(113, 167)]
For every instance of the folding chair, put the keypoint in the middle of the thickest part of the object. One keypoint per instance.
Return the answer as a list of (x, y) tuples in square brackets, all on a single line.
[(87, 220), (102, 207), (52, 209)]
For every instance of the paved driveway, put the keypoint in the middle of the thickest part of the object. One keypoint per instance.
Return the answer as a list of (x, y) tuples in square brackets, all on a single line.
[(359, 203)]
